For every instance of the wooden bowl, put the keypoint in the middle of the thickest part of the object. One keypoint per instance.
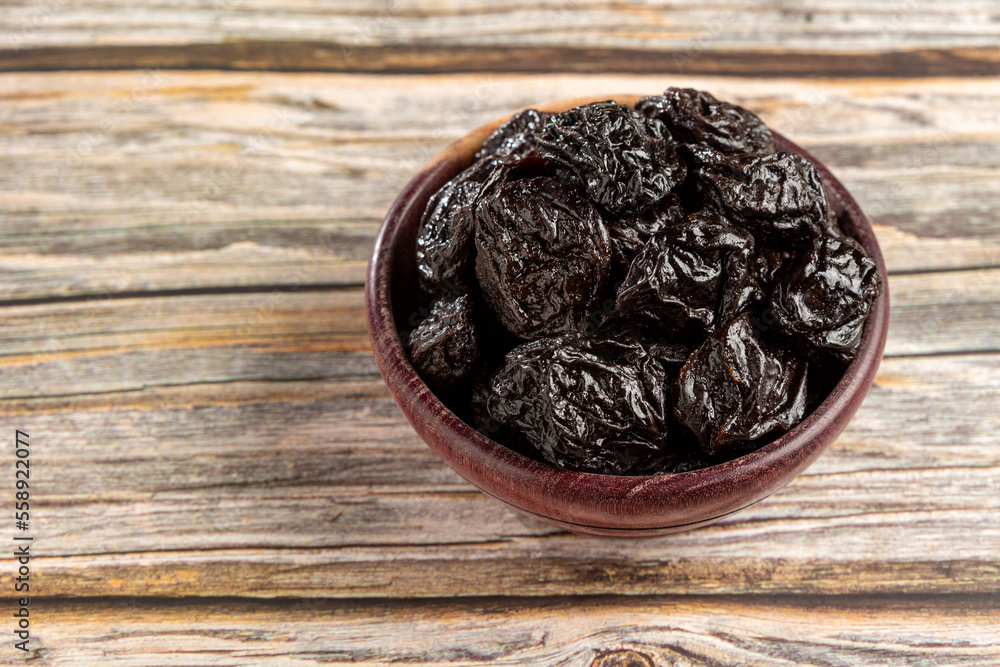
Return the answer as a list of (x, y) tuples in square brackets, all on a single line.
[(586, 502)]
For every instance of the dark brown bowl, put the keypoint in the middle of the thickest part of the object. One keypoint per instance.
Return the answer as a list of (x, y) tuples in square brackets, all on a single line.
[(586, 502)]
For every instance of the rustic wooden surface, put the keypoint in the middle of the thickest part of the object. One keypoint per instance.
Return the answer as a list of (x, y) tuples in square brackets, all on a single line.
[(220, 476), (751, 37)]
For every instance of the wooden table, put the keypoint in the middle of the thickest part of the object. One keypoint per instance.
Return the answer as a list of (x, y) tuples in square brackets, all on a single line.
[(219, 477)]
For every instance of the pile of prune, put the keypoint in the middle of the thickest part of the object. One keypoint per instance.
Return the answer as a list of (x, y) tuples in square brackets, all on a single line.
[(636, 291)]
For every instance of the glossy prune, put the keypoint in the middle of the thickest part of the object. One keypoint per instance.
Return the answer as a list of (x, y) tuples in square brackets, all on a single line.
[(767, 263), (516, 137), (736, 389), (477, 411), (543, 256), (629, 233), (698, 273), (445, 237), (624, 161), (696, 117), (445, 348), (588, 402), (824, 299), (778, 197)]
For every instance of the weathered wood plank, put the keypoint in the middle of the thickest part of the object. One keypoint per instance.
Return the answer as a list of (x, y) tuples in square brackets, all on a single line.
[(844, 38), (932, 22), (325, 56), (320, 489), (847, 24), (129, 182), (551, 566), (327, 509), (349, 432), (926, 632), (947, 312), (100, 345)]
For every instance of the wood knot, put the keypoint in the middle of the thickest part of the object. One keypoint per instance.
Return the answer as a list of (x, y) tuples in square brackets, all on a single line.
[(622, 659)]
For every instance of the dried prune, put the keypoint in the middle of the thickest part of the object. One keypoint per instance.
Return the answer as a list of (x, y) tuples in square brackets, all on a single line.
[(543, 256), (477, 411), (588, 402), (767, 263), (445, 347), (736, 389), (694, 274), (779, 197), (825, 297), (478, 416), (516, 137), (624, 161), (696, 117), (445, 237), (629, 233)]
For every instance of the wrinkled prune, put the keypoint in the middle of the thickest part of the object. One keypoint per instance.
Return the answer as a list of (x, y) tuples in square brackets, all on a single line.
[(543, 256), (767, 263), (478, 413), (445, 238), (629, 233), (516, 137), (779, 197), (735, 389), (587, 402), (697, 273), (445, 347), (624, 161), (633, 332), (696, 117), (478, 416), (825, 297)]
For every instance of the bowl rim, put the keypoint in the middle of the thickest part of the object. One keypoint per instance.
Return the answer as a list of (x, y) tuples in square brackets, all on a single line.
[(608, 504)]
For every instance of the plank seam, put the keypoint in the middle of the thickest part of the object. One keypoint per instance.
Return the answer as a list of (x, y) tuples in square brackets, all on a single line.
[(319, 56)]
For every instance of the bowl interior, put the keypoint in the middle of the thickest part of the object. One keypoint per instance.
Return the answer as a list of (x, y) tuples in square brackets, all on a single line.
[(587, 502)]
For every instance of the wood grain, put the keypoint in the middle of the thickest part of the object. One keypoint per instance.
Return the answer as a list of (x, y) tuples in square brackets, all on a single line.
[(96, 345), (818, 25), (280, 180), (297, 56), (927, 632), (844, 38)]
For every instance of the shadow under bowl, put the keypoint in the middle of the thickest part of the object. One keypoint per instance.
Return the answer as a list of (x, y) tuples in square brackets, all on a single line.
[(639, 505)]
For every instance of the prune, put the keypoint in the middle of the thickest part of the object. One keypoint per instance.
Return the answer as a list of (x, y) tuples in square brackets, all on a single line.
[(694, 274), (478, 416), (696, 117), (767, 263), (779, 197), (629, 233), (736, 389), (634, 332), (445, 347), (625, 161), (543, 256), (516, 137), (445, 238), (588, 402), (478, 412), (825, 297)]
